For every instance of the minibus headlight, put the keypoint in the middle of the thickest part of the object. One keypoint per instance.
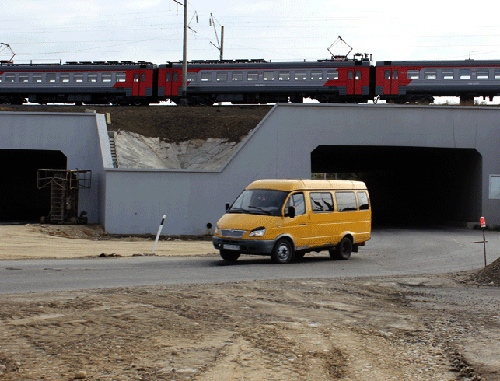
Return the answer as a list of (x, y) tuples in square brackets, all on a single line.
[(216, 230), (258, 232)]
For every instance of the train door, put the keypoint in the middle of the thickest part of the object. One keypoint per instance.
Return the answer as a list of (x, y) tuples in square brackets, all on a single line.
[(354, 83), (390, 81), (139, 83), (172, 82)]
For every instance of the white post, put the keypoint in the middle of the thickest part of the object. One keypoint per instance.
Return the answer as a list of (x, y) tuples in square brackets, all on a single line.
[(158, 234)]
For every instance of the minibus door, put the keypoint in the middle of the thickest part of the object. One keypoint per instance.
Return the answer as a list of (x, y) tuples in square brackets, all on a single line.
[(299, 226)]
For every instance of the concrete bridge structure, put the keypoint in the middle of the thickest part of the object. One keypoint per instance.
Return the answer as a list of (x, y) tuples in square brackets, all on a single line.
[(424, 165)]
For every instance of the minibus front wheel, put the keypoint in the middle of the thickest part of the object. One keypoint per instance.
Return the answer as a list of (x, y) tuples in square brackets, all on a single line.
[(229, 256), (283, 251)]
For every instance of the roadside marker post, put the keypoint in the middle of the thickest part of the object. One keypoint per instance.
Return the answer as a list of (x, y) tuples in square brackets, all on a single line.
[(159, 231), (483, 226)]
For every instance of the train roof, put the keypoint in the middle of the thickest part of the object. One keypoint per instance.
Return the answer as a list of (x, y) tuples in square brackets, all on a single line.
[(86, 65), (252, 64), (470, 63)]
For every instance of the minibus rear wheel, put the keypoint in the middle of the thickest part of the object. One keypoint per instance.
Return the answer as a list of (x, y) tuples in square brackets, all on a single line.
[(229, 256), (343, 250), (283, 251)]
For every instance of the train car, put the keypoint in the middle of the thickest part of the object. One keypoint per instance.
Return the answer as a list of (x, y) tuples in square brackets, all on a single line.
[(259, 81), (417, 81), (79, 82)]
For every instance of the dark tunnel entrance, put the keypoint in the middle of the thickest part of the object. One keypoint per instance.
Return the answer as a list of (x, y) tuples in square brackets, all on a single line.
[(410, 186), (21, 200)]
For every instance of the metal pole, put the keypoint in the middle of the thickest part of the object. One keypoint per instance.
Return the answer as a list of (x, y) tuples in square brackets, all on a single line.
[(484, 243), (184, 58), (222, 43)]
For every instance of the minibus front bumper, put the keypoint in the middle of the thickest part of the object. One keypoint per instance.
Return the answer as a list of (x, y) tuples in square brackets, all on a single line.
[(244, 246)]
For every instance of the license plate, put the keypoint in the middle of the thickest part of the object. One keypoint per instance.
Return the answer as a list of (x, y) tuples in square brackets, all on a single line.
[(230, 247)]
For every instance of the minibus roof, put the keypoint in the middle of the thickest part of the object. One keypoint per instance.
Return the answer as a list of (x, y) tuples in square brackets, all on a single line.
[(294, 185)]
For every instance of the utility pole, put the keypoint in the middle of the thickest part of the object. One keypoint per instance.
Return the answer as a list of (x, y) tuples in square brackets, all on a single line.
[(220, 44), (183, 100), (184, 59)]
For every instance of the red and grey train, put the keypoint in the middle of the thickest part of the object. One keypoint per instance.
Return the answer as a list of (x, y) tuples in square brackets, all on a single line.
[(248, 81)]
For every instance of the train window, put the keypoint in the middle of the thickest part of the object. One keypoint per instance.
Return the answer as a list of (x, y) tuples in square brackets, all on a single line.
[(10, 78), (253, 76), (448, 74), (64, 77), (50, 77), (78, 77), (106, 77), (412, 74), (92, 77), (300, 76), (332, 74), (175, 77), (24, 77), (483, 74), (497, 74), (237, 76), (221, 77), (37, 77), (464, 73), (430, 74), (191, 77), (120, 77), (167, 77), (283, 76), (358, 75), (316, 75), (390, 73), (206, 77), (269, 76)]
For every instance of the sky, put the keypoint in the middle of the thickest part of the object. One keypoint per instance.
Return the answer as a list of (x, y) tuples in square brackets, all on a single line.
[(44, 31)]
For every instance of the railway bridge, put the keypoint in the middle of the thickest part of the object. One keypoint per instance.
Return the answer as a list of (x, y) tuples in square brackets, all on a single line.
[(424, 165)]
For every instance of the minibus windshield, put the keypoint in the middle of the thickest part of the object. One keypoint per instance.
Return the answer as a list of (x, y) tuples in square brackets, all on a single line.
[(259, 201)]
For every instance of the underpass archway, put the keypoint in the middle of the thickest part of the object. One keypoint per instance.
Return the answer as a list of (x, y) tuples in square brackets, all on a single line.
[(410, 186), (22, 201)]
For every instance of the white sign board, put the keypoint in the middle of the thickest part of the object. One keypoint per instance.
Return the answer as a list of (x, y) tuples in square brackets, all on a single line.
[(494, 187)]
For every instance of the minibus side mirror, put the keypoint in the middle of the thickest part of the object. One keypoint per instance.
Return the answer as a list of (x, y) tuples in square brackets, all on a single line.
[(227, 207), (291, 212)]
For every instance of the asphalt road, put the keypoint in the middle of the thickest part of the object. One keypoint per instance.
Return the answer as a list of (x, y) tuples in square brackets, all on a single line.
[(389, 252)]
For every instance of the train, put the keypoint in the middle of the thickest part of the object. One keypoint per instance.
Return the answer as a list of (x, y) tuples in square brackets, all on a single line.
[(355, 80)]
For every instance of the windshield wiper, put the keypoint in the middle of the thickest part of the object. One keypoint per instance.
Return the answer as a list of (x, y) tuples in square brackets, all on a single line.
[(260, 209)]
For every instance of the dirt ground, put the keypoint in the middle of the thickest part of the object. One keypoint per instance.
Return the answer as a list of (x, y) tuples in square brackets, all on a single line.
[(171, 124), (444, 327)]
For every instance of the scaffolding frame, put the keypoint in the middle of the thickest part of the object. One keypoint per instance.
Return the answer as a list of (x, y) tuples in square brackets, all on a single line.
[(65, 185)]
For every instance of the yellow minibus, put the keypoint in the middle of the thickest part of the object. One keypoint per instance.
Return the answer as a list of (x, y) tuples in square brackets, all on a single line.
[(289, 218)]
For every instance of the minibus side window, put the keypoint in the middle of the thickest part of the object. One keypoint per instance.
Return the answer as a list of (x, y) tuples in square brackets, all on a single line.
[(363, 202), (298, 202), (321, 202), (346, 201)]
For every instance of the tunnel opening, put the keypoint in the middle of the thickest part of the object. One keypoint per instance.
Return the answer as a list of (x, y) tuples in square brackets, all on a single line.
[(22, 201), (410, 186)]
